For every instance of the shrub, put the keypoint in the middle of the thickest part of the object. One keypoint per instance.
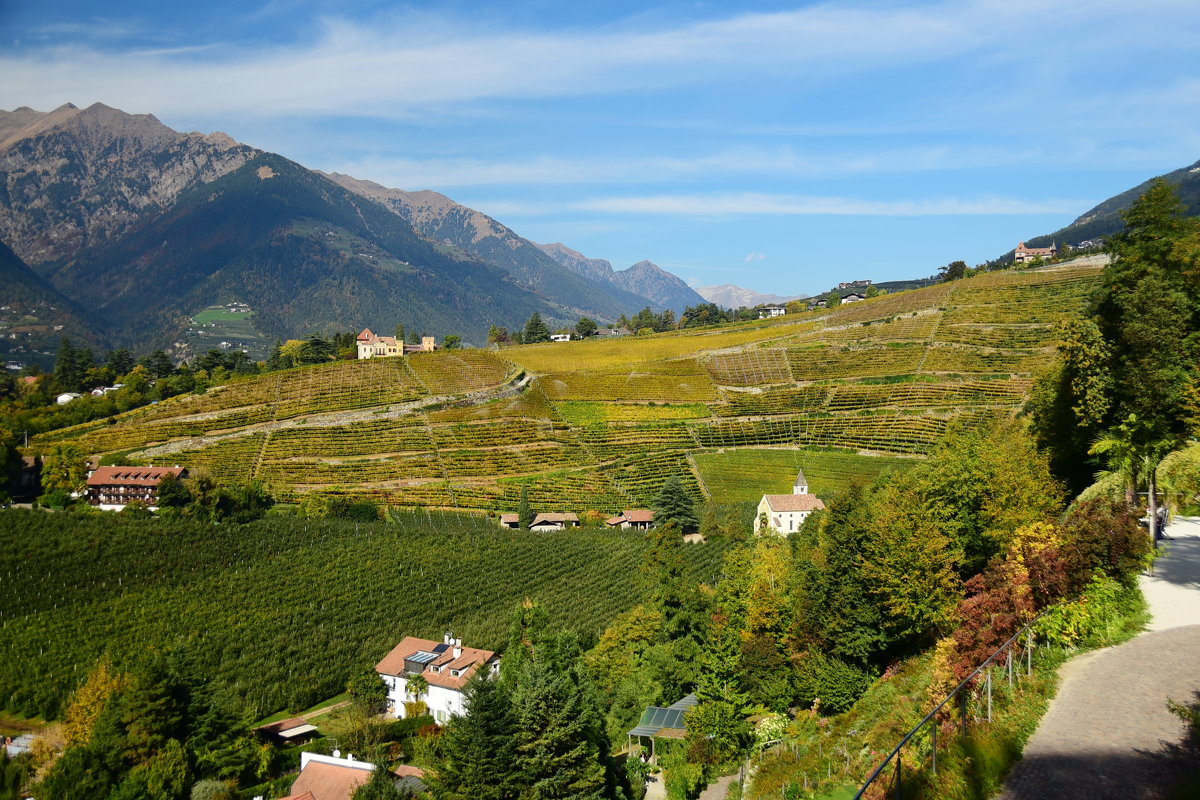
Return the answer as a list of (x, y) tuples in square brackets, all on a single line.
[(831, 682)]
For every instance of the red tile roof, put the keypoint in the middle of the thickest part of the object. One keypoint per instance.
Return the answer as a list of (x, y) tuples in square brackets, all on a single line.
[(794, 502), (329, 781), (132, 476), (639, 515), (470, 660)]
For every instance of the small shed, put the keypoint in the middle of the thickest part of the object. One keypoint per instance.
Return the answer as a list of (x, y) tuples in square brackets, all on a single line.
[(288, 731), (663, 723)]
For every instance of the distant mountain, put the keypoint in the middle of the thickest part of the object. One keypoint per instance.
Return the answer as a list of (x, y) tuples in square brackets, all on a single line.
[(75, 178), (1105, 219), (644, 278), (143, 226), (729, 296), (443, 220)]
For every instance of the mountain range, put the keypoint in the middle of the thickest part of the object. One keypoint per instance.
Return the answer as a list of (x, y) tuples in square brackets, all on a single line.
[(120, 229), (729, 296)]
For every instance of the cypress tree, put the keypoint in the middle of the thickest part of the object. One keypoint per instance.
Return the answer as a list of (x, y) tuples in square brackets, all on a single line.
[(524, 513)]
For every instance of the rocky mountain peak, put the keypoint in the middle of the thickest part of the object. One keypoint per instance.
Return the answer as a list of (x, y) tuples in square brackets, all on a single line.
[(135, 166)]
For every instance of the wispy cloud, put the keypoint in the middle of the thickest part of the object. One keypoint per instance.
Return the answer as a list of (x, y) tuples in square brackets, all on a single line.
[(763, 204), (414, 173), (754, 257), (406, 64)]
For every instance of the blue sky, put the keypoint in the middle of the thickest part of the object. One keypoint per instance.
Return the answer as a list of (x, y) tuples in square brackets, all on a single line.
[(779, 146)]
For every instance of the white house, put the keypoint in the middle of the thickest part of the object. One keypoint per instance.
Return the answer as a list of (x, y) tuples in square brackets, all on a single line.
[(785, 513), (770, 312), (446, 667), (66, 397), (560, 337), (335, 778)]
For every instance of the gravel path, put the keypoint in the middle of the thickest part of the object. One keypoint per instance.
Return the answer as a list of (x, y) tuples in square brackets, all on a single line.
[(1108, 733)]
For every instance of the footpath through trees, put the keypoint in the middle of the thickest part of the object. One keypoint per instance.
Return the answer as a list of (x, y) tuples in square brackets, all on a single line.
[(1108, 733)]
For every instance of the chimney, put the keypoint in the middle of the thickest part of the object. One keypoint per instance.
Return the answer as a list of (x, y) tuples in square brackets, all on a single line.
[(448, 638), (458, 648)]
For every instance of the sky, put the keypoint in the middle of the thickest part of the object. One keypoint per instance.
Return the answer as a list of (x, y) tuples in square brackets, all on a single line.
[(779, 146)]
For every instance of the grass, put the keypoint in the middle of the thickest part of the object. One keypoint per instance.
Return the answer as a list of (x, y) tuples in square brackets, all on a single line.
[(12, 724), (285, 714), (746, 474)]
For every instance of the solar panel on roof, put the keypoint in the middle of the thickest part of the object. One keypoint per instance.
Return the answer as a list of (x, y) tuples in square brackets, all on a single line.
[(422, 657)]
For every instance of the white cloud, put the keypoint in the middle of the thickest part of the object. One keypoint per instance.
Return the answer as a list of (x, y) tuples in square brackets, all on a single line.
[(754, 257), (408, 63)]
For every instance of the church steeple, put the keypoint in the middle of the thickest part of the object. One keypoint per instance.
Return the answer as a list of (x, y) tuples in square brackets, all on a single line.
[(801, 484)]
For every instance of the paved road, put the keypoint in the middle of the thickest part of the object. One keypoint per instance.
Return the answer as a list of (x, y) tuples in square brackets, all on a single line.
[(1108, 733)]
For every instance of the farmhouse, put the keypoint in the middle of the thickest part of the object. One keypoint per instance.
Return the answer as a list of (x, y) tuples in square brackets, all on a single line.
[(372, 346), (446, 667), (769, 312), (560, 337), (541, 522), (1023, 253), (66, 397), (113, 488), (785, 513), (637, 518), (853, 297), (554, 521)]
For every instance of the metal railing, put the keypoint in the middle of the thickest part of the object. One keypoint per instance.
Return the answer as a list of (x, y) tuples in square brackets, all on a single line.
[(1008, 647)]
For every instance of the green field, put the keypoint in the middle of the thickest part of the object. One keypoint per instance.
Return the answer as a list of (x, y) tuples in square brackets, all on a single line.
[(745, 475), (217, 324), (281, 612), (600, 424)]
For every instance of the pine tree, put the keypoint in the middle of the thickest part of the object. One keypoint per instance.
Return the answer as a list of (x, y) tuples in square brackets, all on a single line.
[(556, 757), (673, 504), (478, 748), (535, 330)]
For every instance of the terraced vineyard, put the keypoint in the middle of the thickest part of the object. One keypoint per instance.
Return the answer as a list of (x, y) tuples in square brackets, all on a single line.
[(601, 424)]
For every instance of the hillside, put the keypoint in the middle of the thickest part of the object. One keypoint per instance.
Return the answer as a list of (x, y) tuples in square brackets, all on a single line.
[(146, 227), (601, 424), (443, 220), (305, 253), (35, 316), (1105, 218)]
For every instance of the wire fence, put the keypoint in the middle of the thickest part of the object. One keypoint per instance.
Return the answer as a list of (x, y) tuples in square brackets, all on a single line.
[(921, 743)]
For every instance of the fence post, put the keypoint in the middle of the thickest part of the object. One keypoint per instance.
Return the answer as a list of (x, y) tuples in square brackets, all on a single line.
[(962, 717), (899, 774), (935, 727), (989, 683), (1032, 644), (1010, 652)]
